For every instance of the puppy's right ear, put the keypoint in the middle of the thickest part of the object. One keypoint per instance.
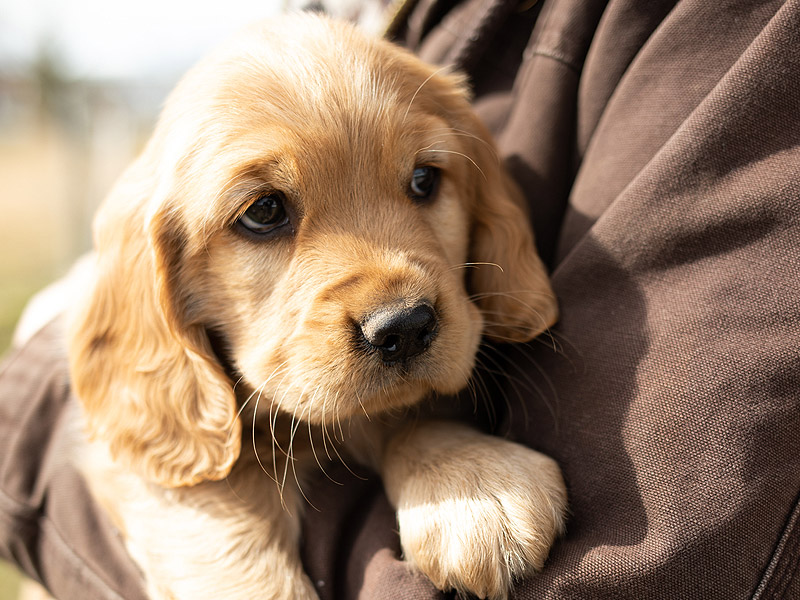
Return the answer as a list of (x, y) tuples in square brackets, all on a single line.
[(510, 284), (149, 382), (508, 281)]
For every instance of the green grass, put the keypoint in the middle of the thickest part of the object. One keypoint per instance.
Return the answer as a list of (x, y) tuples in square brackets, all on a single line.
[(9, 581), (14, 294)]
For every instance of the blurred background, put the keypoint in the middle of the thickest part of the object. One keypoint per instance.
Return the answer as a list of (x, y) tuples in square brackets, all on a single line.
[(81, 84)]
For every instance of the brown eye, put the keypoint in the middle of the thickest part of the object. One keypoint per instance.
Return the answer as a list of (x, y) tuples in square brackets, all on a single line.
[(424, 182), (264, 215)]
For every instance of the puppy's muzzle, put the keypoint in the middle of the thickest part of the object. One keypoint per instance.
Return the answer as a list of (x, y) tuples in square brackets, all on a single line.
[(399, 332)]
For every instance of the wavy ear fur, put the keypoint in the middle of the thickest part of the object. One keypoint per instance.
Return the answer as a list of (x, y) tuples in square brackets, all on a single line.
[(509, 281), (149, 382)]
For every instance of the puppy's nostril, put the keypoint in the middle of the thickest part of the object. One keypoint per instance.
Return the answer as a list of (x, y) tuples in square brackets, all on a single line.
[(391, 344), (400, 332)]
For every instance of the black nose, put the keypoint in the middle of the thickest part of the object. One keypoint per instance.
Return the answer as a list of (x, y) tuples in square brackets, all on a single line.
[(400, 332)]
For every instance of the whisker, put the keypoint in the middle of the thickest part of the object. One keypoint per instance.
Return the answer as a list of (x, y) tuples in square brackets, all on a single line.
[(338, 417), (289, 454), (477, 387), (455, 131), (476, 265), (255, 448), (546, 334), (526, 379), (258, 390), (498, 370), (313, 449), (464, 156), (325, 427), (296, 478), (509, 294), (272, 424), (514, 296), (363, 408), (346, 466), (421, 85), (560, 339), (273, 419)]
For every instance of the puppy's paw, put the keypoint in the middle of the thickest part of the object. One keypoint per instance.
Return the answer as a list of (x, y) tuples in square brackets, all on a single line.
[(475, 512)]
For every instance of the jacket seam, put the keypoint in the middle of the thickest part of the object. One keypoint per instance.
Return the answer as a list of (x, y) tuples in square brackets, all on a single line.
[(554, 55), (783, 563)]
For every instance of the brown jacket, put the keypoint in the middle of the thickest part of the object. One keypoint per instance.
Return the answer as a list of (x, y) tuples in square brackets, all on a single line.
[(658, 143)]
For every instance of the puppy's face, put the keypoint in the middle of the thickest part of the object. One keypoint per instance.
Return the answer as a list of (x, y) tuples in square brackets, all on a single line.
[(329, 207), (337, 280), (336, 275)]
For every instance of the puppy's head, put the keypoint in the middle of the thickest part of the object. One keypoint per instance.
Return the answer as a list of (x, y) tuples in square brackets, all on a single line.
[(330, 208)]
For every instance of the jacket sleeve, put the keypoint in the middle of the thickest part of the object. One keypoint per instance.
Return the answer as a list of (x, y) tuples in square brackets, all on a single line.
[(49, 525)]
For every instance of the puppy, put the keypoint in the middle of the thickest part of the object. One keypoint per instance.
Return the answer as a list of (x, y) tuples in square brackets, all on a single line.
[(314, 240)]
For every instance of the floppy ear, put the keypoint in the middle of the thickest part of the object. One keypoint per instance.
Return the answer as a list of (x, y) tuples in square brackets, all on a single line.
[(509, 281), (148, 380)]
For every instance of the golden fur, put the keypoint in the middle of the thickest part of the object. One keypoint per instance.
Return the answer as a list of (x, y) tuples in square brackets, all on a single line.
[(213, 364)]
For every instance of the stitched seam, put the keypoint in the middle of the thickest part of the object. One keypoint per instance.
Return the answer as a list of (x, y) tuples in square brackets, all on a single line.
[(536, 48), (27, 519), (51, 533), (22, 517), (782, 564), (16, 509), (552, 54), (784, 577), (789, 558)]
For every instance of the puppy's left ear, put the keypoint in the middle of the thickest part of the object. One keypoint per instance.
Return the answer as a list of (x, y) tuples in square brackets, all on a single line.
[(141, 364), (508, 281)]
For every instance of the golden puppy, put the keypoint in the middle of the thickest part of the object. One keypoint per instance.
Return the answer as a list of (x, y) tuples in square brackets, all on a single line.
[(278, 277)]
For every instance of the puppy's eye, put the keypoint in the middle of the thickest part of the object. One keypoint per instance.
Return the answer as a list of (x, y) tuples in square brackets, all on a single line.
[(266, 214), (424, 182)]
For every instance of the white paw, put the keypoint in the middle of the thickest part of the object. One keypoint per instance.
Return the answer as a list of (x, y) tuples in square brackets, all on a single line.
[(475, 512)]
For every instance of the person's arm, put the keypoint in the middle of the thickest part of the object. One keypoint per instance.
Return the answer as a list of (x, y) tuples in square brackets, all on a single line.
[(49, 525), (657, 143)]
